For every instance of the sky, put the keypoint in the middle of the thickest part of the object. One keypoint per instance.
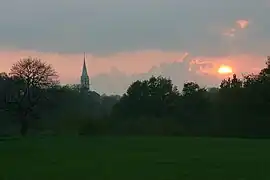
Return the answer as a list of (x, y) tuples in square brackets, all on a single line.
[(125, 40)]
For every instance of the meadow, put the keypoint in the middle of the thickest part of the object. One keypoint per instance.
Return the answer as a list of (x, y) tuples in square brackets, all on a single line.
[(133, 158)]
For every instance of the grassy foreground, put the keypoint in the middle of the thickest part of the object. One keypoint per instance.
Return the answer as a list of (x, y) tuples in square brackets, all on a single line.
[(134, 158)]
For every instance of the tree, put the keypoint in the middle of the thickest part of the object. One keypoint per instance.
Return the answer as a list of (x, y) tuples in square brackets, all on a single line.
[(107, 103), (34, 77), (225, 83), (236, 83), (190, 88), (193, 107), (8, 91), (153, 97), (162, 96), (265, 72), (5, 116), (3, 89)]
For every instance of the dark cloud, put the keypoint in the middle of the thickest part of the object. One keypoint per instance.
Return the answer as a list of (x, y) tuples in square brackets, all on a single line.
[(120, 25), (203, 28)]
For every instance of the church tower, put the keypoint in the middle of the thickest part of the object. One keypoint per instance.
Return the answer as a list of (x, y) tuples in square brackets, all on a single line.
[(84, 77)]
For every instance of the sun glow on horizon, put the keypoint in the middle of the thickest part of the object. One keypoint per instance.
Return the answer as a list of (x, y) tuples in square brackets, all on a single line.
[(223, 69)]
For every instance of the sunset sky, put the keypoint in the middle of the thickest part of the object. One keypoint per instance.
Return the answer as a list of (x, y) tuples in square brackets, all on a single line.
[(126, 40)]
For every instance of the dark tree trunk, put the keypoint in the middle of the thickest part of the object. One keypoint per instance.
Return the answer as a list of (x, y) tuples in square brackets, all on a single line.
[(24, 126)]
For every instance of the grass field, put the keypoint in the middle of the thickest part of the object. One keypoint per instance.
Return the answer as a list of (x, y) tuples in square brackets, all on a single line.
[(134, 158)]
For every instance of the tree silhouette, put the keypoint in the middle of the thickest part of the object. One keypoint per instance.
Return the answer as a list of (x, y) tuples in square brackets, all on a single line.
[(238, 107), (34, 77), (190, 88), (153, 97)]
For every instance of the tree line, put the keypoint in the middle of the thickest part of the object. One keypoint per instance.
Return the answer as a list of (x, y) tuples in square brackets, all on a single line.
[(32, 101)]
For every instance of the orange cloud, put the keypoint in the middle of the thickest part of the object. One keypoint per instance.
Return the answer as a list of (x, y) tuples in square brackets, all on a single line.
[(241, 64), (242, 23), (69, 65), (230, 32)]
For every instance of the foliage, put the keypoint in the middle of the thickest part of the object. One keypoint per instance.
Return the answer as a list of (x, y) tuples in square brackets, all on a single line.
[(239, 107), (155, 97), (30, 78)]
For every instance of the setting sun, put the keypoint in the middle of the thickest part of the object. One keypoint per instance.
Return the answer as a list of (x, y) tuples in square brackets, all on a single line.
[(225, 69)]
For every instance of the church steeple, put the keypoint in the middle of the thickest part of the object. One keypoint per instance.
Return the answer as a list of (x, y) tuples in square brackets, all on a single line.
[(84, 77)]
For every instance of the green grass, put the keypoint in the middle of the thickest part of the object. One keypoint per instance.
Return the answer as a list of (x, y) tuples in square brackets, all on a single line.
[(134, 158)]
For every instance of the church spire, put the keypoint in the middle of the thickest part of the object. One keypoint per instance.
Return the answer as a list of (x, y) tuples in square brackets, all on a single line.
[(84, 70), (84, 77)]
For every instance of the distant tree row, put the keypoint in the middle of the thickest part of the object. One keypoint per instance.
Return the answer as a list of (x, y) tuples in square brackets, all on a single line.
[(239, 107), (32, 101), (31, 98)]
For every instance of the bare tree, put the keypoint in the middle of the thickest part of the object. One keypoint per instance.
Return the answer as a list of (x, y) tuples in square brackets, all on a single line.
[(33, 77)]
